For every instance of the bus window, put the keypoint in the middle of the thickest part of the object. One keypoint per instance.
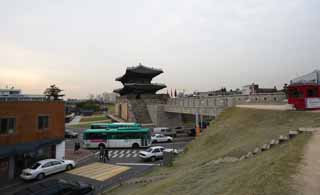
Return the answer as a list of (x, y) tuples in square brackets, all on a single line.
[(95, 136), (312, 92)]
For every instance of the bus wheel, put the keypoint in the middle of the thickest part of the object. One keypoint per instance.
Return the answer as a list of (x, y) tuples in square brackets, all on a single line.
[(102, 146), (135, 145)]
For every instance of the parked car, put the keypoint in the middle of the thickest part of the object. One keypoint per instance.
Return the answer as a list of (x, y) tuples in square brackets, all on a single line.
[(165, 131), (153, 153), (179, 129), (46, 167), (70, 134), (161, 138), (57, 187)]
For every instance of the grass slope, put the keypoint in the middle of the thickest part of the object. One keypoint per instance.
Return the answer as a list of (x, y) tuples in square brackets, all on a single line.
[(93, 118), (234, 133)]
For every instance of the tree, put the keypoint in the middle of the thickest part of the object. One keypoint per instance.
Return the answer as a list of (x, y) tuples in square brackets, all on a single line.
[(53, 92)]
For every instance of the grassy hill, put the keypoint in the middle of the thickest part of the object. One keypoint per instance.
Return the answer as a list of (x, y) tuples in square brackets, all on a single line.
[(236, 132)]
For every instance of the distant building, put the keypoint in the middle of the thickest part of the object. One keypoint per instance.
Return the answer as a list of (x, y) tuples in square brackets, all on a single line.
[(304, 91), (9, 92), (31, 129), (255, 89), (222, 91)]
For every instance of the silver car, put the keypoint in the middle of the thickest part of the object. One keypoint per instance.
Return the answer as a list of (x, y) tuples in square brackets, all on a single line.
[(46, 167)]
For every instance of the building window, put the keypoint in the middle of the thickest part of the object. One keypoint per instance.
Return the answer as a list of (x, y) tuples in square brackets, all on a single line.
[(295, 93), (43, 122), (7, 125)]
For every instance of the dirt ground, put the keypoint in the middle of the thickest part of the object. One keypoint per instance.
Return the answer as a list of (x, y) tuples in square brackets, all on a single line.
[(308, 179)]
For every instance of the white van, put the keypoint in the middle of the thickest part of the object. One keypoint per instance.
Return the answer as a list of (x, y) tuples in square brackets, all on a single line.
[(165, 131)]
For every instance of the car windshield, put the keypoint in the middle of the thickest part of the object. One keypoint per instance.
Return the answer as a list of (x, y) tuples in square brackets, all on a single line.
[(35, 166), (149, 150)]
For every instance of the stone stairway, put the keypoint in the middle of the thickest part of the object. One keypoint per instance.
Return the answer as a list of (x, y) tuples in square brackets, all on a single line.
[(140, 111)]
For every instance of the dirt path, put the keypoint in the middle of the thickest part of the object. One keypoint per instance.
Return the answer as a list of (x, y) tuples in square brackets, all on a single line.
[(308, 179)]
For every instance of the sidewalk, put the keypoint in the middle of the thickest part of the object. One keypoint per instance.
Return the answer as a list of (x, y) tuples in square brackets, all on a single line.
[(78, 156)]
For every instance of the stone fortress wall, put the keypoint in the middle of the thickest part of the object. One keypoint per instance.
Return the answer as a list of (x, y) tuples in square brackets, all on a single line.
[(161, 110)]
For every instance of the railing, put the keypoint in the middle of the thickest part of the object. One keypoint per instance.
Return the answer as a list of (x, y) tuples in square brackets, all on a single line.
[(12, 98)]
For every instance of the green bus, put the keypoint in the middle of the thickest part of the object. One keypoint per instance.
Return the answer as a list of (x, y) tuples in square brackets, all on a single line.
[(130, 137), (113, 125)]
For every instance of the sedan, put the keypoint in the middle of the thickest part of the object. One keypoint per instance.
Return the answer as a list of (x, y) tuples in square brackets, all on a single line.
[(58, 186), (70, 134), (152, 153), (46, 167), (161, 138)]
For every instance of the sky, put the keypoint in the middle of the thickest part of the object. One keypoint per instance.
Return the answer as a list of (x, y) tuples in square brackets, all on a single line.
[(83, 45)]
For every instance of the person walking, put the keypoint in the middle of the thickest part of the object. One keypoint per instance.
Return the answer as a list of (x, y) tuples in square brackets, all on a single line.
[(101, 153), (106, 155)]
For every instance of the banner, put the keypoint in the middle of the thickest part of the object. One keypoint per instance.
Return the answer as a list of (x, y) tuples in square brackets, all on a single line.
[(313, 102)]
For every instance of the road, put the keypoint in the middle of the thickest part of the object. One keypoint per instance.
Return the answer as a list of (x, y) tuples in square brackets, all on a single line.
[(124, 164)]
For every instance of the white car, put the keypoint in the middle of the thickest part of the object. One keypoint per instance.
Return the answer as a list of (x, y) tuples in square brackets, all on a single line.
[(161, 138), (46, 167), (153, 153)]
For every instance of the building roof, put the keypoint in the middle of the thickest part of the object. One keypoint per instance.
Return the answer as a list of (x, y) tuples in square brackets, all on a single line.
[(139, 71), (139, 88), (313, 77)]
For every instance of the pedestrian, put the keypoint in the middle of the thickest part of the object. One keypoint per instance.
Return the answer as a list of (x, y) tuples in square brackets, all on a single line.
[(106, 155), (78, 146), (101, 153), (75, 147)]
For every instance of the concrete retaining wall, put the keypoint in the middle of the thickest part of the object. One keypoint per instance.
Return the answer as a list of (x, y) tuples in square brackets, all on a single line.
[(161, 118)]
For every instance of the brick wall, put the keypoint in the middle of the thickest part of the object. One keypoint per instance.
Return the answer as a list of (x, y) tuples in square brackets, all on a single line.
[(26, 114)]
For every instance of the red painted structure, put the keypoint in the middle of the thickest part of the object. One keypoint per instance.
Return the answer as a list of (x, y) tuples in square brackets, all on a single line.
[(304, 96)]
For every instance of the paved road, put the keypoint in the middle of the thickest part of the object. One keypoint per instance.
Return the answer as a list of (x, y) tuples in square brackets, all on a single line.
[(124, 164), (75, 120)]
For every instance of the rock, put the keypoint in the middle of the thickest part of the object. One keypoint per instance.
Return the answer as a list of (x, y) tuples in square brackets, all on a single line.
[(249, 155), (304, 129), (242, 157), (257, 150), (274, 142), (293, 133), (217, 161), (229, 159), (265, 147), (283, 138)]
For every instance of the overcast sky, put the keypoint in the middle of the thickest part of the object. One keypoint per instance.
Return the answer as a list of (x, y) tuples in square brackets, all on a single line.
[(83, 45)]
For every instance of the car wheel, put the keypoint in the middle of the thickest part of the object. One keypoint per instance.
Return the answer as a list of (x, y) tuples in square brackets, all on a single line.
[(135, 145), (69, 167), (40, 176), (153, 158)]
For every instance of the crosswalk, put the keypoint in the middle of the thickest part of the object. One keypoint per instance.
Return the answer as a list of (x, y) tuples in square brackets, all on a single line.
[(99, 171), (122, 153)]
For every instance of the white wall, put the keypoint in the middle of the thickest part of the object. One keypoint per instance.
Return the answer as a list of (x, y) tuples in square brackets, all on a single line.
[(60, 150)]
